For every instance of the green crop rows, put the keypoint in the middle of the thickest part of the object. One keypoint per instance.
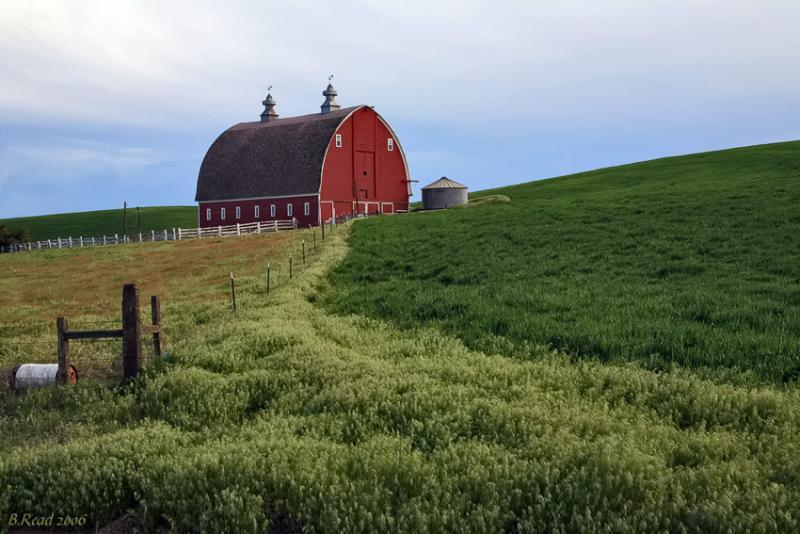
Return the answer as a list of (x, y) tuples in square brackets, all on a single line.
[(689, 261), (289, 418)]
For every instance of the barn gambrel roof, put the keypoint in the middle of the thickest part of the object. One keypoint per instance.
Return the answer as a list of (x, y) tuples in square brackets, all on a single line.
[(280, 157)]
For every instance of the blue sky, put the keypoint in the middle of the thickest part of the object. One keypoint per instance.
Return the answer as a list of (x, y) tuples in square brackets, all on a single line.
[(105, 102)]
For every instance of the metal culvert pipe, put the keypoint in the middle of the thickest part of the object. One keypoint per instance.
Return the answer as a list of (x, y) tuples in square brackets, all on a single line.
[(35, 375)]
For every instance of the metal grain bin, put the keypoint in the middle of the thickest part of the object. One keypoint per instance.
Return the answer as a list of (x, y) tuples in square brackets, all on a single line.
[(34, 375), (443, 193)]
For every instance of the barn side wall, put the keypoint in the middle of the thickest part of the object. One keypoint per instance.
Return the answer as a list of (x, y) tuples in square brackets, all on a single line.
[(248, 211), (363, 175)]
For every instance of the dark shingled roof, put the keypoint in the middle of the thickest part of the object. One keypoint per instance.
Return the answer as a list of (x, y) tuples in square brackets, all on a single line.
[(265, 159)]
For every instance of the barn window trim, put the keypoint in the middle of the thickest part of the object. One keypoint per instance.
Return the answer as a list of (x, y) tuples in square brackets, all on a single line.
[(208, 214), (222, 213), (390, 144), (272, 210), (238, 213), (289, 209), (307, 208), (338, 140), (257, 211)]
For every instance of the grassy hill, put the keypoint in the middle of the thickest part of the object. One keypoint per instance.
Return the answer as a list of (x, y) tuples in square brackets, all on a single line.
[(103, 222), (285, 417), (687, 260)]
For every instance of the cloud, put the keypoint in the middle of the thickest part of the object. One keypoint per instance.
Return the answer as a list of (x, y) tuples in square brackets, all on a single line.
[(485, 91), (184, 62)]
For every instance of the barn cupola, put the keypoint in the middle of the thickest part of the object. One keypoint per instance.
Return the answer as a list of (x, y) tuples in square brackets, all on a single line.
[(269, 107), (329, 93)]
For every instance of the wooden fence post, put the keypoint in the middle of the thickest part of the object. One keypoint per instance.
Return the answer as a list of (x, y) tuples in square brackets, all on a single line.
[(303, 243), (62, 377), (59, 242), (290, 266), (131, 332), (155, 314), (268, 274), (314, 233), (233, 293)]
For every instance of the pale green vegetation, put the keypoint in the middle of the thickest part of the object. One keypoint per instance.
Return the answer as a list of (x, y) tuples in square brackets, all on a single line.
[(287, 417)]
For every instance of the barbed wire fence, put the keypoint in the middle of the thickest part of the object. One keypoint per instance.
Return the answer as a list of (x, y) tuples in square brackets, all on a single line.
[(96, 349)]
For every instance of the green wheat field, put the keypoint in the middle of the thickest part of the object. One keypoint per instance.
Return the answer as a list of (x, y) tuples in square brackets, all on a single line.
[(614, 351)]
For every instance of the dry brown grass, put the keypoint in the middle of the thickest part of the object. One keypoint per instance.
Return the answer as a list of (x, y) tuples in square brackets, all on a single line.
[(86, 283), (85, 286)]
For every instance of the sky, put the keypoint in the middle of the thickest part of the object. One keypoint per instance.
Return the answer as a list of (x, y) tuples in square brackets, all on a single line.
[(104, 102)]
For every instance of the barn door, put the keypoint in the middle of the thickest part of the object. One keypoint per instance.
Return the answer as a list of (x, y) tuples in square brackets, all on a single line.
[(365, 176)]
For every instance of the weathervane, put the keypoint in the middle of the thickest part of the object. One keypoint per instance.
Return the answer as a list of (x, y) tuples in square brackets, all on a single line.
[(330, 77), (269, 89)]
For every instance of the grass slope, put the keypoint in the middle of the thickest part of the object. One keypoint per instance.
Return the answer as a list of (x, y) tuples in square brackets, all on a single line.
[(103, 222), (286, 417), (687, 260)]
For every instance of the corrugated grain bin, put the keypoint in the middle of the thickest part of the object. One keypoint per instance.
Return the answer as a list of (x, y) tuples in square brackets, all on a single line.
[(35, 375), (443, 193)]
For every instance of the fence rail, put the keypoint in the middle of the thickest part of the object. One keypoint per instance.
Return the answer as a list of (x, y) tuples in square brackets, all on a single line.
[(169, 234)]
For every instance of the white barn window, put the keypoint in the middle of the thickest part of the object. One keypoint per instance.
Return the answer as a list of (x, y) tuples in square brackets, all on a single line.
[(238, 213), (208, 214), (272, 210), (390, 144), (222, 213), (338, 140), (257, 211), (307, 208), (289, 210)]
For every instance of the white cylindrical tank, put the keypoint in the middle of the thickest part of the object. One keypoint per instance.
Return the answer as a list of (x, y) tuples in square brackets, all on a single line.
[(35, 375)]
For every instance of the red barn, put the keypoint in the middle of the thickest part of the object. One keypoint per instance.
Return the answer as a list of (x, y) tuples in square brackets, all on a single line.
[(310, 168)]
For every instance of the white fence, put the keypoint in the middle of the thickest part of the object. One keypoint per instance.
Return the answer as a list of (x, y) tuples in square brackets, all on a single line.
[(174, 234)]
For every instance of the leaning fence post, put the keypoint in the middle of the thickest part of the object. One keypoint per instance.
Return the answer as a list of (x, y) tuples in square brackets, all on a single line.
[(155, 315), (62, 377), (131, 331), (233, 293)]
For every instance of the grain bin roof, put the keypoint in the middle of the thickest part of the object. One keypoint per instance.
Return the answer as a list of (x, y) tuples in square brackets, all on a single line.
[(445, 183), (264, 159)]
